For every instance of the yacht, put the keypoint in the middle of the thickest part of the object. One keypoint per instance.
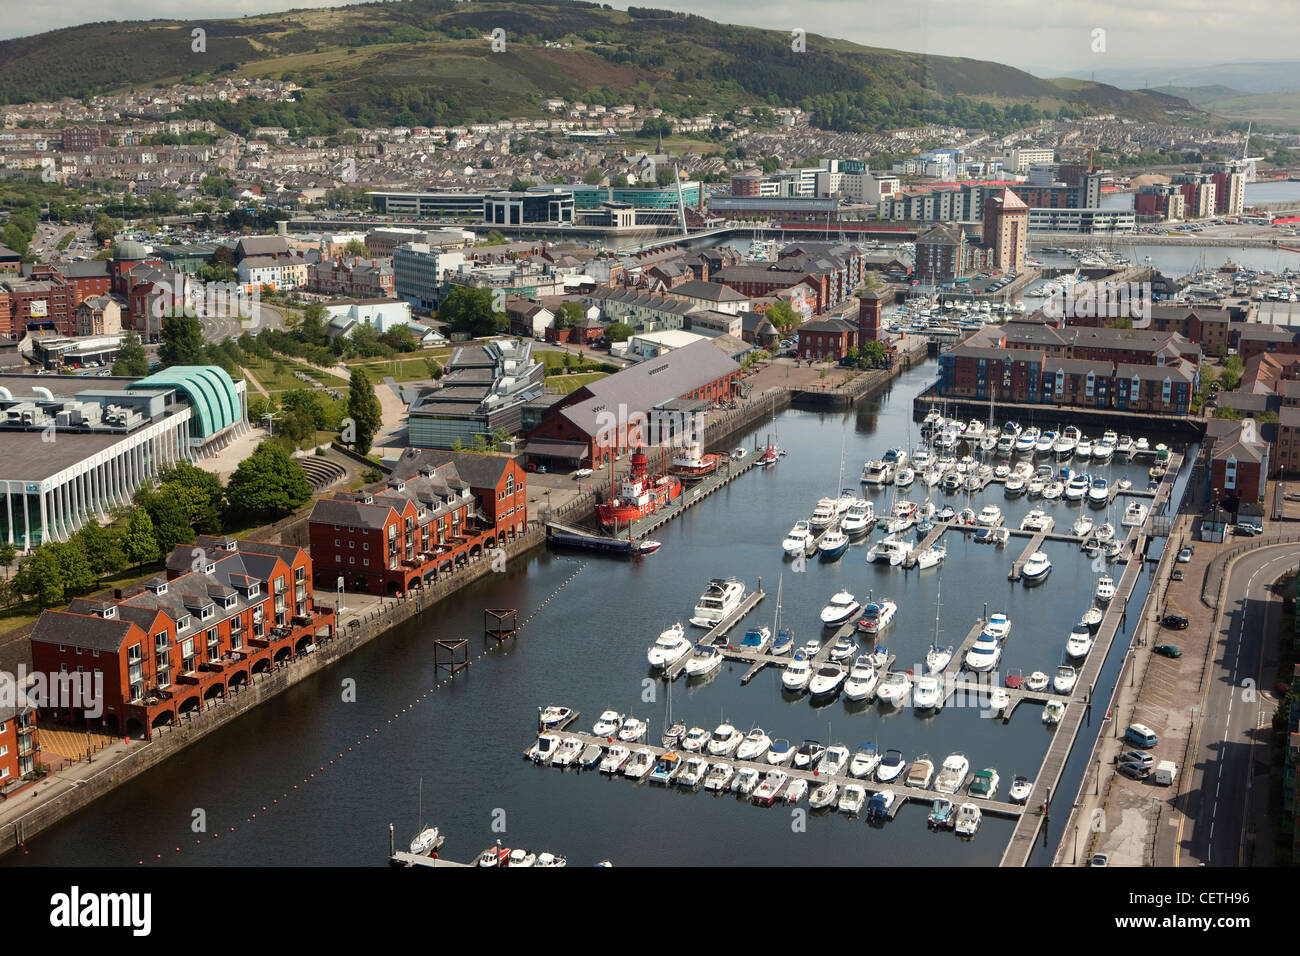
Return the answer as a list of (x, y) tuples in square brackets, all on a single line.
[(671, 647), (800, 540), (859, 518), (1053, 490), (771, 786), (808, 754), (746, 781), (877, 473), (1105, 589), (1076, 488), (876, 617), (967, 821), (895, 688), (834, 761), (1082, 526), (755, 745), (937, 658), (990, 516), (891, 766), (827, 680), (719, 777), (919, 772), (998, 627), (1065, 679), (1134, 515), (833, 544), (1014, 486), (852, 799), (608, 724), (1037, 520), (1053, 711), (823, 514), (632, 730), (1099, 492), (704, 660), (639, 764), (984, 654), (718, 601), (797, 674), (931, 557), (724, 741), (926, 692), (840, 608), (864, 762), (1046, 441), (1037, 681), (888, 550), (1021, 788), (1036, 568), (780, 753), (615, 758), (1079, 642), (952, 774), (862, 680)]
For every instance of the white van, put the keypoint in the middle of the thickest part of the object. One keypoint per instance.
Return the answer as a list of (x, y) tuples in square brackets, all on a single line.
[(1166, 773)]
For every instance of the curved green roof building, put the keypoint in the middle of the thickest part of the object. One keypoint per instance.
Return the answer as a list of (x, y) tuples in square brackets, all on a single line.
[(211, 393)]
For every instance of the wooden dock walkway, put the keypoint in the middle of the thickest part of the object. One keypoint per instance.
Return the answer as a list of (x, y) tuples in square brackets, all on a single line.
[(1035, 544), (727, 472), (930, 539), (719, 630)]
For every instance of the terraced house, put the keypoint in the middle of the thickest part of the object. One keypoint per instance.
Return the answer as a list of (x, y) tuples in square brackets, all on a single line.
[(227, 610)]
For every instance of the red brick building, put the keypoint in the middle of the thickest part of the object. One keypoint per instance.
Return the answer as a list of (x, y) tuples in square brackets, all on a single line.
[(18, 742), (48, 302), (827, 339), (227, 610), (1238, 464), (438, 511)]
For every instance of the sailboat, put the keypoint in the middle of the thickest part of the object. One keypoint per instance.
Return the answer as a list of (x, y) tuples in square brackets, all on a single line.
[(428, 839), (673, 732), (937, 658)]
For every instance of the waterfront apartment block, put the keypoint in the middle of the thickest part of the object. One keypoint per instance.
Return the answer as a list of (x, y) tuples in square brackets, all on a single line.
[(18, 743), (227, 609), (1239, 463), (1087, 221), (436, 512)]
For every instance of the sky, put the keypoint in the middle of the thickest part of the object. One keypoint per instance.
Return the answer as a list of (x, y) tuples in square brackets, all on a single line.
[(1045, 37)]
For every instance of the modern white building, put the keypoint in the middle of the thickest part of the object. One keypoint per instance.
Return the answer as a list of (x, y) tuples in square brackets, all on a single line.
[(1087, 221), (419, 270)]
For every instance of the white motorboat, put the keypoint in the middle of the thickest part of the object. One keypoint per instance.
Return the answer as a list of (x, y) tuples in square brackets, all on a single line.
[(766, 793), (608, 724), (931, 557), (1065, 679), (999, 698), (692, 773), (919, 772), (1037, 520), (719, 777), (1014, 486), (704, 660), (1082, 526), (799, 541), (808, 754), (1046, 441), (852, 799), (984, 654), (746, 781), (843, 649), (780, 753), (1036, 568), (695, 740), (545, 749), (823, 513), (718, 601), (990, 516), (859, 519), (1037, 681), (1092, 618), (1021, 788), (834, 760), (1104, 449), (904, 478), (1076, 488), (895, 689), (1099, 491), (925, 692), (864, 762), (984, 784), (797, 674), (895, 457), (877, 473), (1079, 643), (937, 658), (1083, 450), (755, 745), (881, 805), (566, 755), (1002, 471), (1105, 533), (1026, 440), (725, 740), (967, 821), (888, 550), (1125, 446), (1036, 486), (1053, 490), (998, 626), (1124, 484), (952, 774), (823, 796), (891, 766), (1143, 447), (1105, 589), (842, 606), (615, 758), (833, 544), (639, 764), (862, 679), (876, 617), (632, 730), (671, 647), (1053, 711), (555, 717), (966, 516), (795, 790), (1064, 446), (827, 680), (1134, 515), (521, 858)]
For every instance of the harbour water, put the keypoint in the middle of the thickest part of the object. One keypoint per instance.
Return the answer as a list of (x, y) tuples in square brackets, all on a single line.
[(310, 778)]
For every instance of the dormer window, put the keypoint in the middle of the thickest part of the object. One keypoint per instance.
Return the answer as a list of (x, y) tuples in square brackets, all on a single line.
[(108, 612), (254, 590), (229, 602), (210, 567), (208, 611), (158, 587), (182, 622)]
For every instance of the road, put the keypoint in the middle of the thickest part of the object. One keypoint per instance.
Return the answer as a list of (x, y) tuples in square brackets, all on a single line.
[(1231, 752)]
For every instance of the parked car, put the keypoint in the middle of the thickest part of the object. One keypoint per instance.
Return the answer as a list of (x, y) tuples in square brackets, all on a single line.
[(1134, 770), (582, 473), (1176, 574), (1175, 621), (1140, 735), (1136, 756), (1247, 530), (1167, 650), (1099, 859), (1185, 555)]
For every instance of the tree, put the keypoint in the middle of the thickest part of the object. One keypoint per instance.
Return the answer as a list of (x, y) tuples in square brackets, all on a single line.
[(170, 519), (140, 543), (132, 361), (781, 315), (469, 311), (618, 332), (872, 352), (356, 247), (103, 548), (7, 555), (182, 340), (199, 493), (364, 410), (1230, 377), (40, 576), (568, 315), (268, 485)]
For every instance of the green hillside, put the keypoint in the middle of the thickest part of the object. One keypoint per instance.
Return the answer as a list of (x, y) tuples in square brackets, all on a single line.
[(430, 62)]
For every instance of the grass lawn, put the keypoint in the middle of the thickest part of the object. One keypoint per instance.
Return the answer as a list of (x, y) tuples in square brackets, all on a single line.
[(554, 361), (271, 380), (401, 370), (571, 383)]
